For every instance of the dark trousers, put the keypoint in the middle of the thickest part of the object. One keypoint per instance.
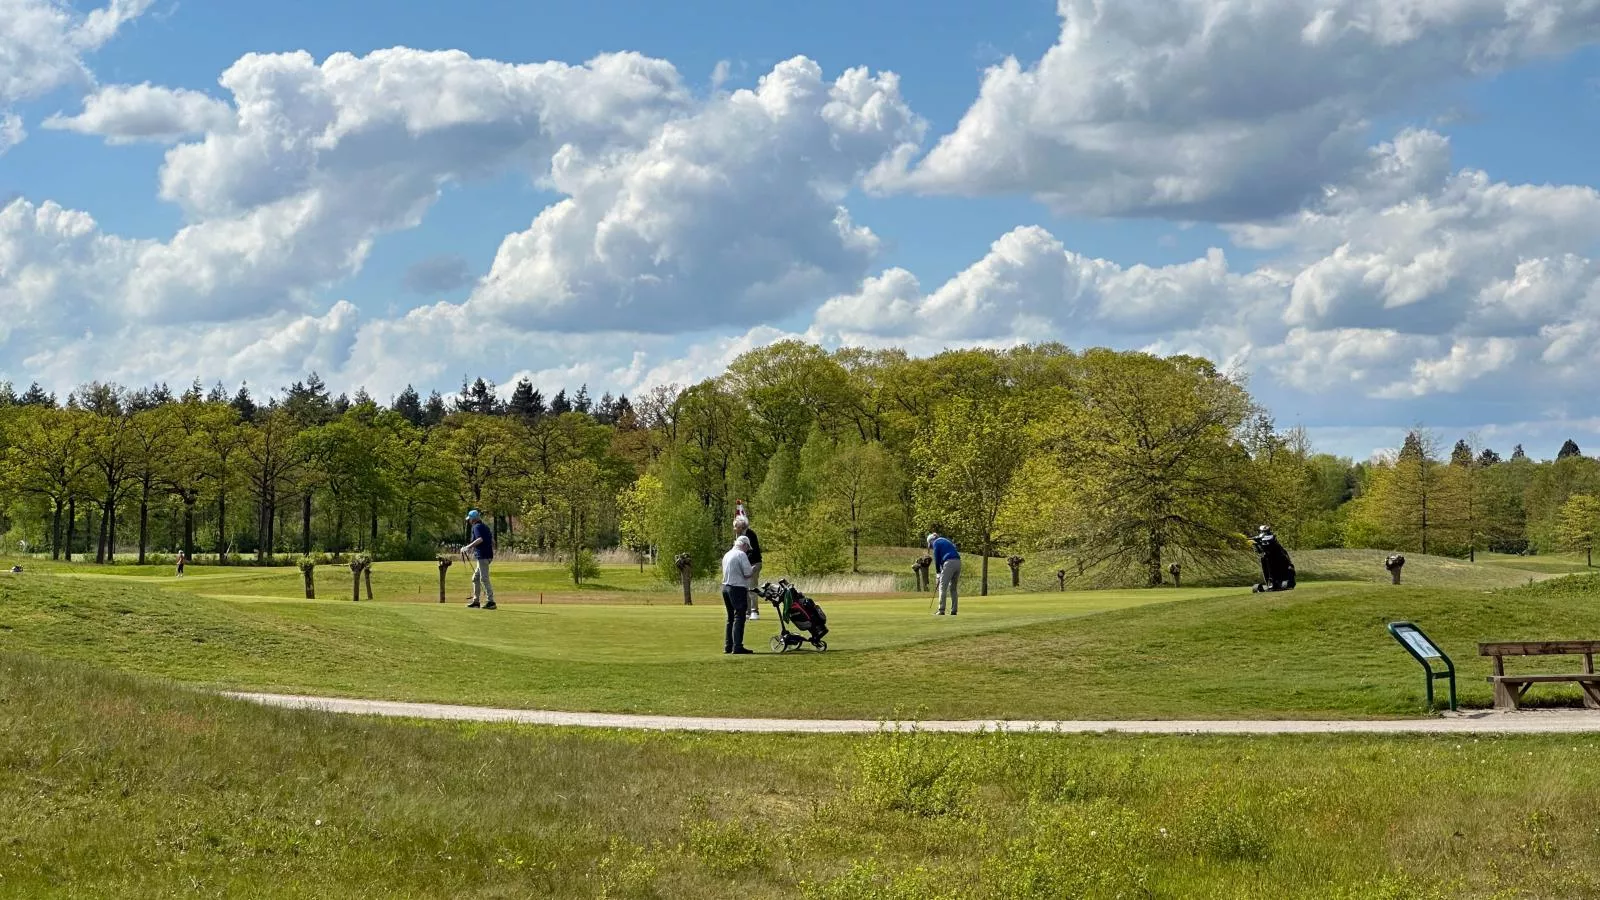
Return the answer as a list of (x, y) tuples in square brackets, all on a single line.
[(737, 601)]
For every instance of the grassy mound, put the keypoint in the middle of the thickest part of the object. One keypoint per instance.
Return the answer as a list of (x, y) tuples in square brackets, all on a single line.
[(1320, 651), (114, 786)]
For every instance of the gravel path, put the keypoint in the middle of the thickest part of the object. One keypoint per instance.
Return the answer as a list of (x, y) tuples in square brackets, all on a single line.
[(1562, 721)]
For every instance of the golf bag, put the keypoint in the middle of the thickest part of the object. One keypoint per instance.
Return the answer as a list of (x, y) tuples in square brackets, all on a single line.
[(1277, 570)]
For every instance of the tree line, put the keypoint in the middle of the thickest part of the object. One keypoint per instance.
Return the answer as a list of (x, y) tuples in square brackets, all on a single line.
[(1115, 463)]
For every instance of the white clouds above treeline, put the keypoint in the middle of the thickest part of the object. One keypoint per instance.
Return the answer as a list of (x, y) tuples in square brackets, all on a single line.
[(691, 225)]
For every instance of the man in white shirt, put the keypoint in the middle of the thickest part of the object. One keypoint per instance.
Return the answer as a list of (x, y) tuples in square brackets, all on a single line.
[(736, 576)]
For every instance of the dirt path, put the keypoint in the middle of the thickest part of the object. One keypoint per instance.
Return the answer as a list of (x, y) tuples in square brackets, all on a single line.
[(1573, 721)]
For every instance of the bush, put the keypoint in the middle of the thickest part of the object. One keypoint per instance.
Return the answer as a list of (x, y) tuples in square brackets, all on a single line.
[(583, 567)]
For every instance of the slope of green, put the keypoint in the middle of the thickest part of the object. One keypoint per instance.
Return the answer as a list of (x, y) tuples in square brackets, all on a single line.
[(120, 787), (1320, 651)]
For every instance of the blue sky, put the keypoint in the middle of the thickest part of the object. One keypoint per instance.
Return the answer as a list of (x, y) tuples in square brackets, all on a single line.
[(1369, 285)]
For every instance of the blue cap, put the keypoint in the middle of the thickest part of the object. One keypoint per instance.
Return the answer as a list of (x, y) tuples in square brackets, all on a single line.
[(473, 514)]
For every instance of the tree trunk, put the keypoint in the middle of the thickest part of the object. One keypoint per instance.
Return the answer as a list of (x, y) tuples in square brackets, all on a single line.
[(55, 531), (144, 520), (356, 593), (1153, 558), (222, 527), (983, 587), (100, 547), (373, 545), (410, 522), (305, 524), (366, 575), (188, 526), (72, 525), (855, 551), (261, 529), (272, 522), (311, 584)]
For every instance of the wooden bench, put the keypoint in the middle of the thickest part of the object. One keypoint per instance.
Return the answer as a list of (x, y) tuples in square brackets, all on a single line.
[(1508, 689)]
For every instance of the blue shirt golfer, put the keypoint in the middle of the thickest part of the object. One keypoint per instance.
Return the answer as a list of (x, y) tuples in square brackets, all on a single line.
[(482, 553), (947, 562)]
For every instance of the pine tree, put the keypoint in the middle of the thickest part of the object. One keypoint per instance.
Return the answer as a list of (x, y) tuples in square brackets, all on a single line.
[(1569, 450), (341, 405), (8, 397), (559, 403), (434, 411), (195, 393), (1488, 458), (606, 412), (35, 396), (580, 401), (243, 404), (217, 394), (409, 405), (526, 403)]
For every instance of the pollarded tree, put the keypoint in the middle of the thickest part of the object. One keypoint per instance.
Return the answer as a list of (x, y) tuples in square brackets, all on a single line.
[(966, 459), (1578, 525), (1151, 463)]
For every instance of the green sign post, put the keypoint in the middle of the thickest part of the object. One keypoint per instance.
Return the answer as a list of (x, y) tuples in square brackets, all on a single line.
[(1424, 651)]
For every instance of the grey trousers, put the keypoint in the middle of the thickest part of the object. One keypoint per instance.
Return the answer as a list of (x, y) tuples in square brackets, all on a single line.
[(950, 584), (481, 589)]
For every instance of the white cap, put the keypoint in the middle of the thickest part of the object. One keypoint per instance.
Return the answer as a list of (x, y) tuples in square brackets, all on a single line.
[(931, 536), (742, 542)]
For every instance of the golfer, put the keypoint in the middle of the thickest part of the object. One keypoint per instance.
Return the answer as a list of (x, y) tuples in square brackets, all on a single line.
[(736, 574), (741, 528), (481, 550), (947, 562)]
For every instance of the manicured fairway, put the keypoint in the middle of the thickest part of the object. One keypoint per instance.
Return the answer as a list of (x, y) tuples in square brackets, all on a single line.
[(1318, 652)]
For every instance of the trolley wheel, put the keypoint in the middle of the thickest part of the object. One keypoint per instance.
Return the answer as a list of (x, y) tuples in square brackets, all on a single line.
[(778, 644), (822, 646)]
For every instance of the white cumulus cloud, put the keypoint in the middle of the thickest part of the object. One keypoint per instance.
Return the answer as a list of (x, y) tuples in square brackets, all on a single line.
[(144, 112), (1223, 109), (42, 46)]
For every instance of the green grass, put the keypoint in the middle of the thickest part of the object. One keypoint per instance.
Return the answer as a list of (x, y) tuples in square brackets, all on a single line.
[(1038, 572), (121, 787), (1320, 651)]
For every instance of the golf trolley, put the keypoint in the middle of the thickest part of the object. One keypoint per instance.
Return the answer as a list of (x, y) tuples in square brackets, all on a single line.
[(797, 610)]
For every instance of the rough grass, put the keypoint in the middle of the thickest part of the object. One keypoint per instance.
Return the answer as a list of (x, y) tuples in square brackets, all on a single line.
[(113, 786), (1320, 651)]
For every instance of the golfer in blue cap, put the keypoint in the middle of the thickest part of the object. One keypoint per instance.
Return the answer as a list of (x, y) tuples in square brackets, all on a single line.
[(482, 553)]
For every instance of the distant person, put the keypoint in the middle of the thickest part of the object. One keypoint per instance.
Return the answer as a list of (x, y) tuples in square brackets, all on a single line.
[(736, 575), (741, 528), (181, 560), (946, 562), (481, 551)]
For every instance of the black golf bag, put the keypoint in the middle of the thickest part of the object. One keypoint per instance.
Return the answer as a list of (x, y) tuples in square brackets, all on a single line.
[(1277, 570)]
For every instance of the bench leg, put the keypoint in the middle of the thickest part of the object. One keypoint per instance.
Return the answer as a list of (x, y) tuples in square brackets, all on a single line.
[(1591, 694), (1505, 696)]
